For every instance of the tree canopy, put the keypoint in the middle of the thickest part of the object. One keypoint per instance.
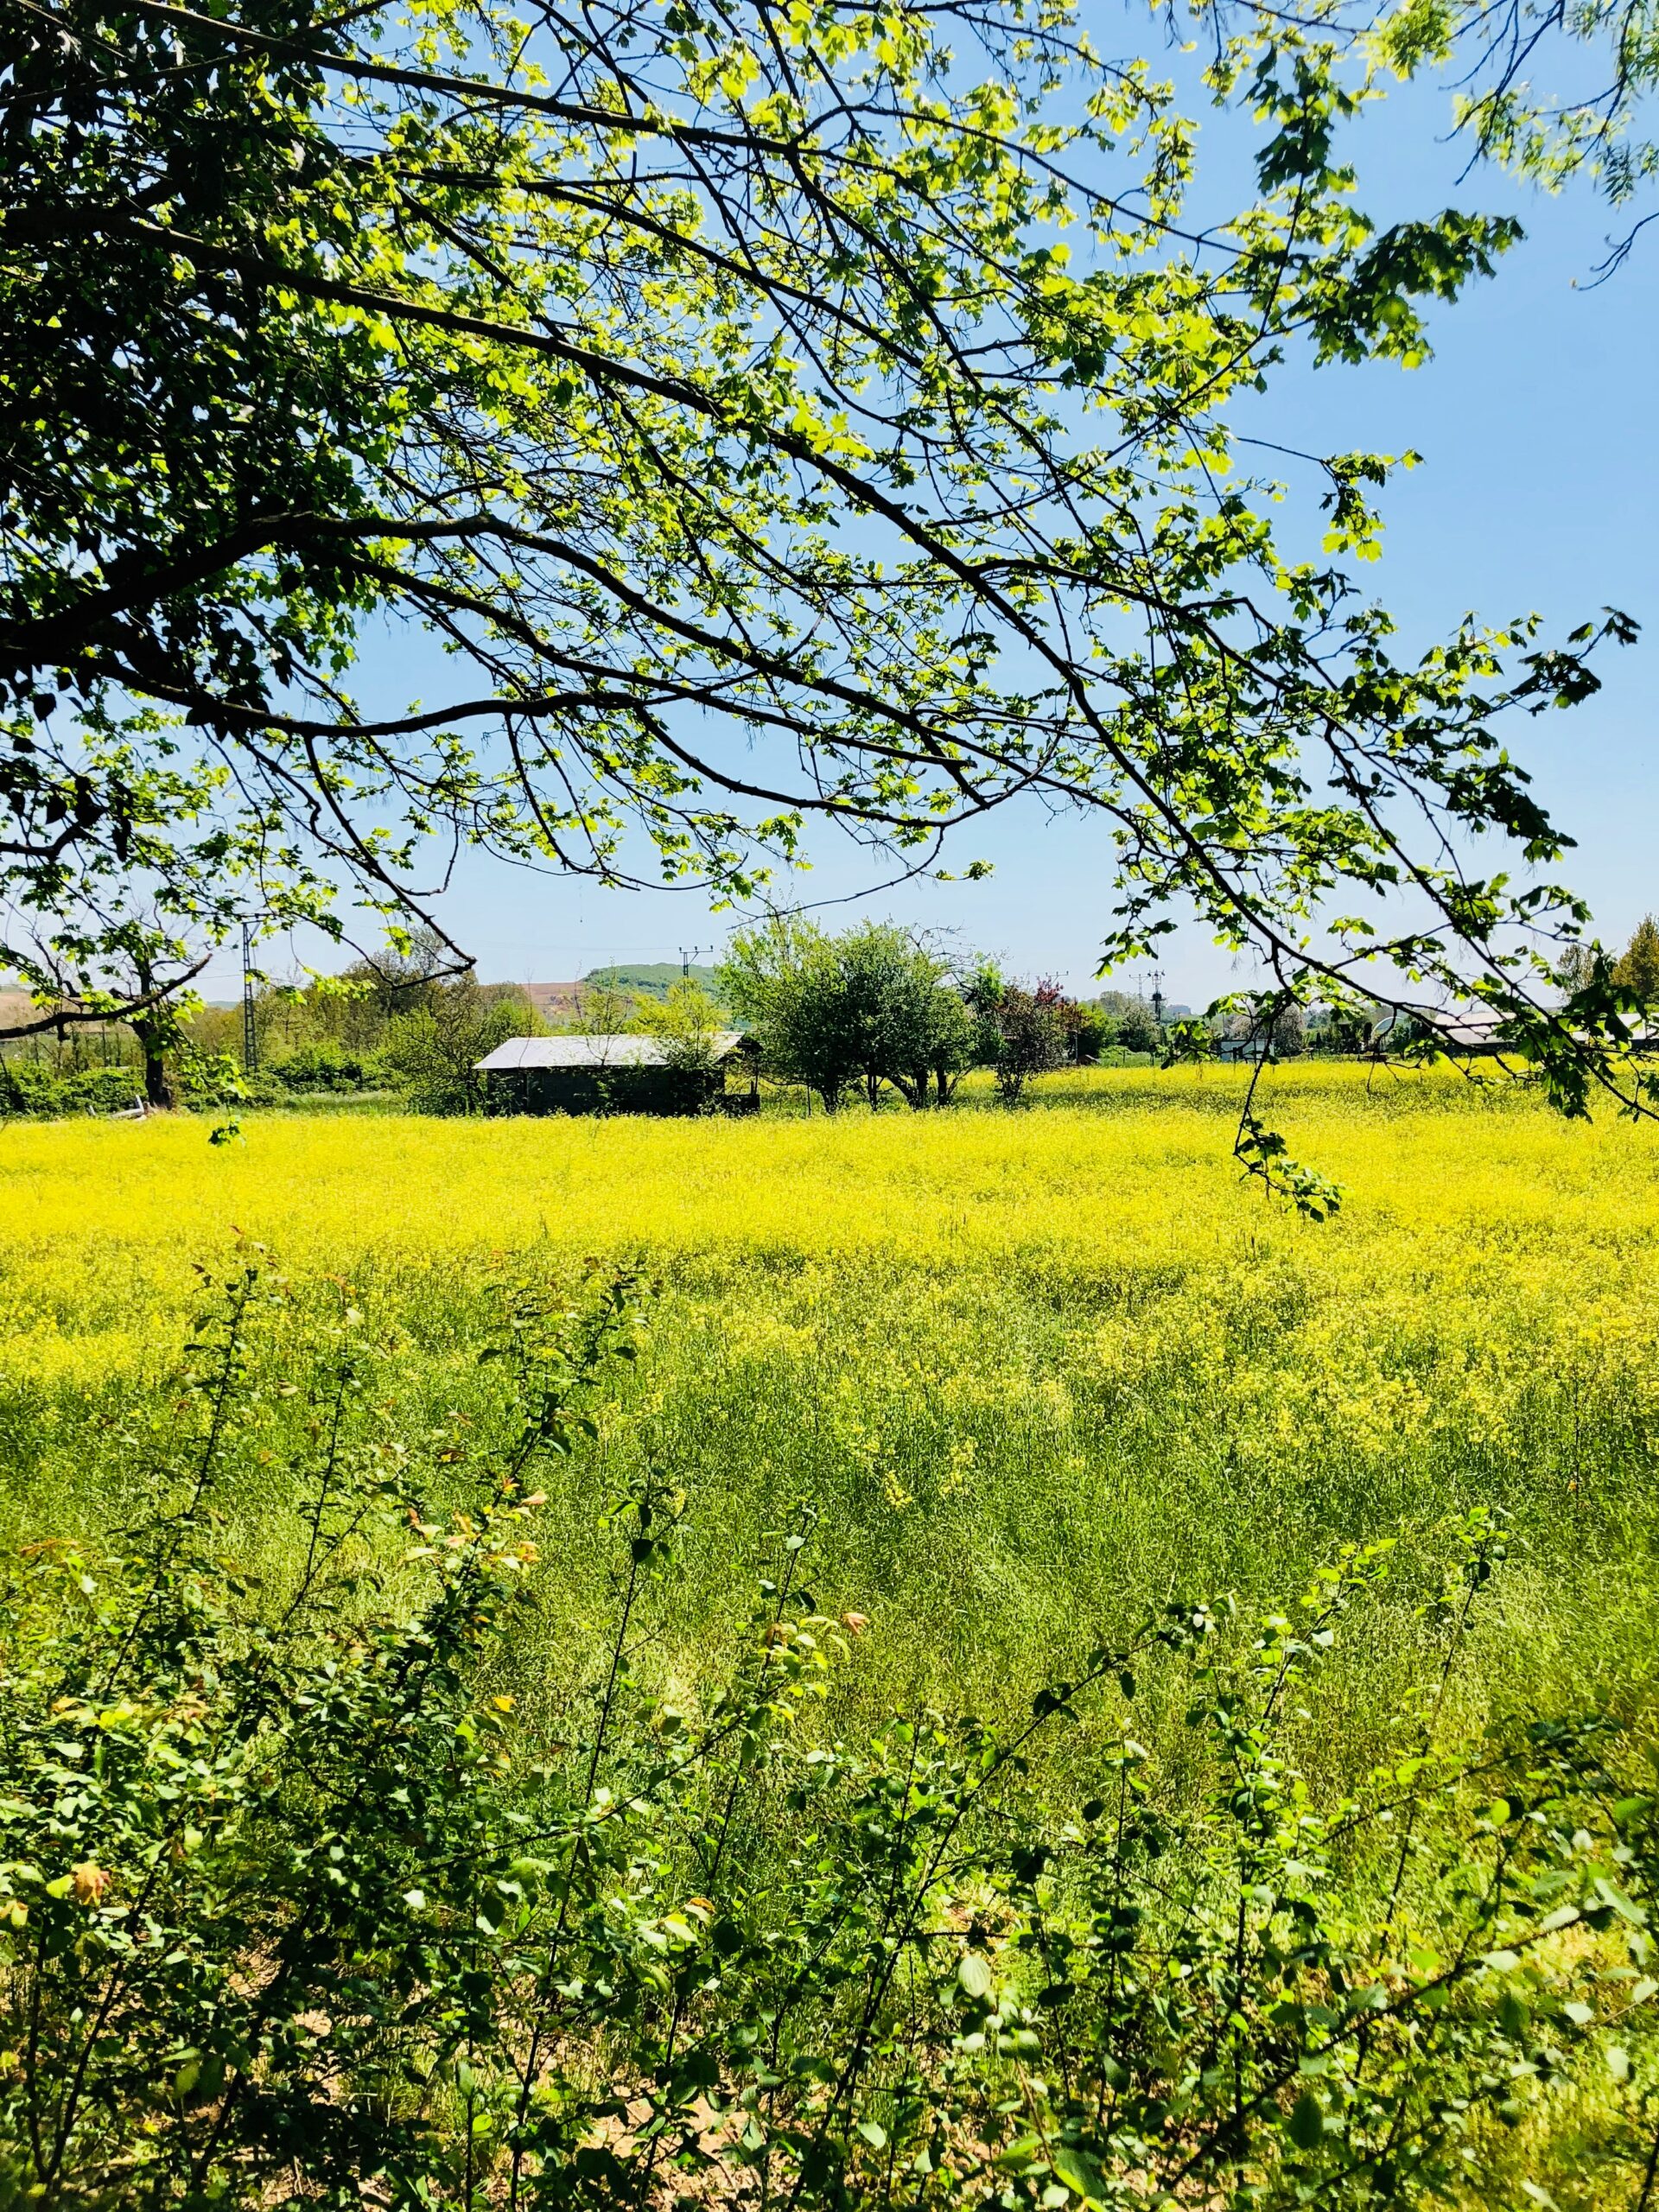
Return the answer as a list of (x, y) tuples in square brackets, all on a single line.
[(1637, 966), (873, 1006), (779, 412), (1553, 93)]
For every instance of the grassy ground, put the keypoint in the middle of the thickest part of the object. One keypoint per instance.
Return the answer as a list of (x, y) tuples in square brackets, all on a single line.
[(1029, 1373)]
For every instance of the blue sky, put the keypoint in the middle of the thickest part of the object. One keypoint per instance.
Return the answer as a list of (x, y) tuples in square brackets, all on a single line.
[(1538, 426)]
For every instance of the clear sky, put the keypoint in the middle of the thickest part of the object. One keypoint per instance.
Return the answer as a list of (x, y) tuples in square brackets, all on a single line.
[(1539, 427)]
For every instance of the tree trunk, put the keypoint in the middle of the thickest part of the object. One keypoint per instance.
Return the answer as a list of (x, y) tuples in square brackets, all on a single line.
[(158, 1089)]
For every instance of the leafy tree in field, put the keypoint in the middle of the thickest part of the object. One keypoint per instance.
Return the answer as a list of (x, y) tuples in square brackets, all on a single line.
[(687, 1024), (871, 1006), (1028, 1030), (952, 1037), (1137, 1029), (780, 982), (1637, 966), (778, 415), (401, 978), (1133, 1025), (916, 1033), (435, 1047)]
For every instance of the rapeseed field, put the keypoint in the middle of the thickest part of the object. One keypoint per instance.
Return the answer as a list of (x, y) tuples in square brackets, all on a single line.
[(999, 1400), (1023, 1375)]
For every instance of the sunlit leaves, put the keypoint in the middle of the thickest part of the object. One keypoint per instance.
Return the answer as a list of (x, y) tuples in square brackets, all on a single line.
[(796, 414)]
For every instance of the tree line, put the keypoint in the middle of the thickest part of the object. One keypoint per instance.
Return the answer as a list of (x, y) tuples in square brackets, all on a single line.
[(873, 1011)]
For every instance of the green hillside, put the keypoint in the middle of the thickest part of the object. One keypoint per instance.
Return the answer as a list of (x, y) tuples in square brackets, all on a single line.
[(651, 980)]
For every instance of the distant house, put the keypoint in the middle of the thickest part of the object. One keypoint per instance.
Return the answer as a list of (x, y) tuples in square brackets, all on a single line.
[(614, 1075)]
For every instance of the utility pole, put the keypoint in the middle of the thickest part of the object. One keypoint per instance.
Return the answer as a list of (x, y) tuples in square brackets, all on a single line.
[(250, 1028), (688, 954), (1158, 997)]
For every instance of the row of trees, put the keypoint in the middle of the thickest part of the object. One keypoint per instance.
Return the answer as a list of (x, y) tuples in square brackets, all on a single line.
[(872, 1010), (875, 1009)]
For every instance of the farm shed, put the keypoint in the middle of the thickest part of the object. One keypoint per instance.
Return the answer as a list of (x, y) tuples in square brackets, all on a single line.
[(1464, 1033), (612, 1074)]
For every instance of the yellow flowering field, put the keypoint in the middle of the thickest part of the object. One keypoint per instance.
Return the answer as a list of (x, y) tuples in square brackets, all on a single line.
[(1021, 1368)]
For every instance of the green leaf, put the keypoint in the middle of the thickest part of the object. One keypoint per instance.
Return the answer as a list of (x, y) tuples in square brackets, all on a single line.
[(974, 1972), (1306, 2126), (1079, 2172)]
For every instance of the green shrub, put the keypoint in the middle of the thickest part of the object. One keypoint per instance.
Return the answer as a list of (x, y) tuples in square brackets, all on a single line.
[(432, 1050), (321, 1067), (205, 1080), (297, 1906), (29, 1087)]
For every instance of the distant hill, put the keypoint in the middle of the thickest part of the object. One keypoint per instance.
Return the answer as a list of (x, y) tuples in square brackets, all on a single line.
[(555, 1002), (652, 981)]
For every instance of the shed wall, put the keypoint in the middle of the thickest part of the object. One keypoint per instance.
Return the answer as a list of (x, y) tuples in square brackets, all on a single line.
[(601, 1090)]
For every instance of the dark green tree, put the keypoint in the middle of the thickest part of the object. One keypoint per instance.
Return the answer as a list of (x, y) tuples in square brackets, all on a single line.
[(783, 984), (436, 1046), (901, 1000), (1638, 967), (1137, 1028)]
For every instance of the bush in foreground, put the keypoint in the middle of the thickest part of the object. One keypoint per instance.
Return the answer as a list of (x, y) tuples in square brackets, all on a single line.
[(298, 1906)]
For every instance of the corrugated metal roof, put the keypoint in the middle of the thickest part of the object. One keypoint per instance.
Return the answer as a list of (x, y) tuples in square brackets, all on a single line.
[(591, 1052), (1456, 1026)]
